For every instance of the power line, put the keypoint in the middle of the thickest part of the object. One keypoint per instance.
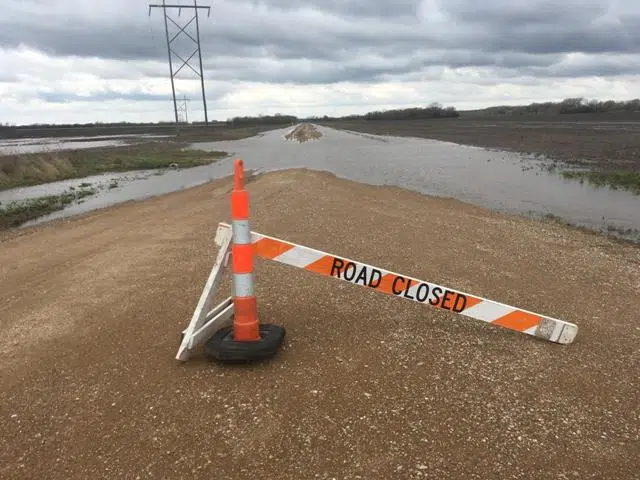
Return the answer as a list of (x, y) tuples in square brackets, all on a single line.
[(182, 30)]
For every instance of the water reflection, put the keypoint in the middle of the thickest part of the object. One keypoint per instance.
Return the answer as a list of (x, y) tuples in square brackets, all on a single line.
[(51, 144), (497, 180), (503, 181)]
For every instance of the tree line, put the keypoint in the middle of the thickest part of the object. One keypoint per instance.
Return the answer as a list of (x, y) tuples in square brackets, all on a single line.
[(277, 119), (566, 106), (434, 110)]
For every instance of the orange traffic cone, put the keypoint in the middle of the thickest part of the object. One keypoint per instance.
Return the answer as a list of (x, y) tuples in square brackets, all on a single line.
[(245, 324)]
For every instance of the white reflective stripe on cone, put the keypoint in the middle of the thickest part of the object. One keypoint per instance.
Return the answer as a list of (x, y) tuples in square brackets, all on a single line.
[(241, 232), (243, 284)]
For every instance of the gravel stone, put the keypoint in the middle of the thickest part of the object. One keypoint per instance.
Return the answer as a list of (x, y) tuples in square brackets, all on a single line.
[(365, 386)]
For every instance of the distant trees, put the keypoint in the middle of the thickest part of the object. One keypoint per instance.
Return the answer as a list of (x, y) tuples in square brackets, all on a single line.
[(581, 105), (434, 110), (566, 106), (572, 105), (277, 119)]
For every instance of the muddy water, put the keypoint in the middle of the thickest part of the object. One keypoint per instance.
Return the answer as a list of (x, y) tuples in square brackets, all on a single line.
[(49, 144), (497, 180), (116, 188)]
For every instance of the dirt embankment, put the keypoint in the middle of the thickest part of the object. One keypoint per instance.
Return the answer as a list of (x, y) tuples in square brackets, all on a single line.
[(366, 386), (304, 133)]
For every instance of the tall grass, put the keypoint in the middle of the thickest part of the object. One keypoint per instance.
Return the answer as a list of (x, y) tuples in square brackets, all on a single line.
[(20, 170), (17, 212), (623, 180)]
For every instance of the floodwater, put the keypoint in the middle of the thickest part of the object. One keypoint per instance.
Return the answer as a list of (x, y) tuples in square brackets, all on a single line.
[(116, 188), (501, 181), (49, 144)]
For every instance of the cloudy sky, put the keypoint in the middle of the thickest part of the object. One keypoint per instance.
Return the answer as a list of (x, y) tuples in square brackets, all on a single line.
[(106, 60)]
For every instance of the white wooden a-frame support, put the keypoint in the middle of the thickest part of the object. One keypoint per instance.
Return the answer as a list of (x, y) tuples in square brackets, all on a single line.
[(204, 322)]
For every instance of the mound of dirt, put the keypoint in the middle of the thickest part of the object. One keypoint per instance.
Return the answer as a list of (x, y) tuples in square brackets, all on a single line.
[(304, 133)]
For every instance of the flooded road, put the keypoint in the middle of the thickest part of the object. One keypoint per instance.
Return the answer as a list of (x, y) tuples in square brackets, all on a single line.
[(501, 181)]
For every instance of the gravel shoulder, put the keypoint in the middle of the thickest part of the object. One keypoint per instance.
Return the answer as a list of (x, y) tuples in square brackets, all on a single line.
[(366, 386)]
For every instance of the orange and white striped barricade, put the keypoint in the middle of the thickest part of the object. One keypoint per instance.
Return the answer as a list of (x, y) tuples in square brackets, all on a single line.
[(213, 327), (232, 331), (409, 288)]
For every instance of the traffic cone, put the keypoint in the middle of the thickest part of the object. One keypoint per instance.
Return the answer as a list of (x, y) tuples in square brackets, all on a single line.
[(245, 322), (247, 340)]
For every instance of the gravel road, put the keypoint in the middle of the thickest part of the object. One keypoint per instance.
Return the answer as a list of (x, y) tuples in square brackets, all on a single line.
[(366, 386)]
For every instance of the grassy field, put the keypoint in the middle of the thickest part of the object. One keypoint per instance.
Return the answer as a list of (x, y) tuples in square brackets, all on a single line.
[(15, 213), (37, 168), (187, 133), (24, 169), (623, 180), (27, 169)]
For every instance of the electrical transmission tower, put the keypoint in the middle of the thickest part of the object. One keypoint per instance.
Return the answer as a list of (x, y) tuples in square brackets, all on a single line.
[(182, 108), (182, 30)]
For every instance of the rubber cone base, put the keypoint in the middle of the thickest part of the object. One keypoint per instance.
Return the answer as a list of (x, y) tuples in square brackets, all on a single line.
[(223, 347)]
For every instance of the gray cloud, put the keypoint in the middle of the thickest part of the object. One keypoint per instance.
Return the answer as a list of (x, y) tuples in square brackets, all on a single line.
[(84, 40), (8, 77), (546, 26), (58, 97), (370, 66), (519, 13), (353, 8), (590, 66), (214, 93), (325, 41)]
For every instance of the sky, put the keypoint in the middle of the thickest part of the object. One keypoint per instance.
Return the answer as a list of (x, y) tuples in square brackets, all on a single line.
[(67, 61)]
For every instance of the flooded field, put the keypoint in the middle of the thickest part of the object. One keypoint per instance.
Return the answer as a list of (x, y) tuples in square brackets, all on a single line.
[(116, 188), (49, 144), (497, 180)]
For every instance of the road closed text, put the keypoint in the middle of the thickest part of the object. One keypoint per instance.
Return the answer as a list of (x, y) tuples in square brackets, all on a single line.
[(398, 285)]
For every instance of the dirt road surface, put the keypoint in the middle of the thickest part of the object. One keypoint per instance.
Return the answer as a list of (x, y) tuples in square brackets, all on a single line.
[(366, 386), (304, 132)]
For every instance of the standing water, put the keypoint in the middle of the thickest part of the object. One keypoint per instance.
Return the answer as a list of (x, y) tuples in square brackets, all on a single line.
[(497, 180)]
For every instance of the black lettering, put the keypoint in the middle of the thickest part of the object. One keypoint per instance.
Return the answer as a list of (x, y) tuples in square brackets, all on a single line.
[(406, 290), (362, 276), (337, 266), (460, 308), (376, 276), (424, 288), (446, 298), (393, 285), (352, 273), (436, 296)]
